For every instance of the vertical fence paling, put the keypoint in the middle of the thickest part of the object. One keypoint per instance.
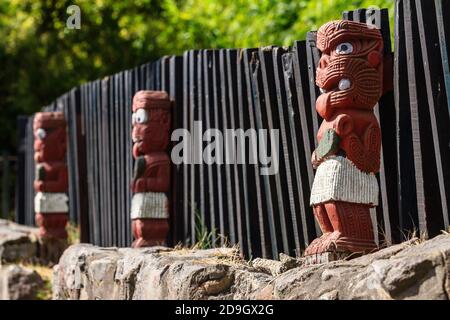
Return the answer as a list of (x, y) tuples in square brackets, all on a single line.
[(298, 99), (427, 126), (405, 165), (175, 77), (258, 89), (241, 108), (21, 178), (232, 84), (5, 185), (435, 66), (211, 199), (29, 173)]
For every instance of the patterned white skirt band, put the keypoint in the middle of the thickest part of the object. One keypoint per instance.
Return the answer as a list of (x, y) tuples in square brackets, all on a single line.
[(49, 202), (337, 178), (149, 205)]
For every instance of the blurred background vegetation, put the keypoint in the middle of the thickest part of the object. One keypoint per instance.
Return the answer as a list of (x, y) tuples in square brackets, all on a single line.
[(40, 59)]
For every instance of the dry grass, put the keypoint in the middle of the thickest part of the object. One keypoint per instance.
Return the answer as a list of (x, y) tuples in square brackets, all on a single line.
[(415, 236), (73, 232), (46, 274), (231, 256)]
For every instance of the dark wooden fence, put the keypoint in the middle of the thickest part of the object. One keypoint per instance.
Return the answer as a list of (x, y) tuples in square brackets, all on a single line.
[(262, 88)]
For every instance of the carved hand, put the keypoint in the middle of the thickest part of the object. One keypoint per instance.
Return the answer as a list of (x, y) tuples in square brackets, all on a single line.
[(328, 146), (365, 154)]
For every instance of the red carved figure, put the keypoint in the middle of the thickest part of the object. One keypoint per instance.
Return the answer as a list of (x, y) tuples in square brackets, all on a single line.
[(151, 179), (51, 183), (49, 136), (349, 76), (50, 152), (151, 122), (151, 172)]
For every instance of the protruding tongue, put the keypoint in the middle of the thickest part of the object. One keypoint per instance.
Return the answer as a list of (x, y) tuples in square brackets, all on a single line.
[(322, 105)]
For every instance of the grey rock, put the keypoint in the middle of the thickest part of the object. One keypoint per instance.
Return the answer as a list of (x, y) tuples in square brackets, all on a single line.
[(17, 242), (274, 267), (19, 283), (268, 266), (410, 270), (89, 272)]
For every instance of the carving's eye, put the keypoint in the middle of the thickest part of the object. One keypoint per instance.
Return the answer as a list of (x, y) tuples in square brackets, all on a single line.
[(41, 134), (141, 116), (344, 84), (344, 48)]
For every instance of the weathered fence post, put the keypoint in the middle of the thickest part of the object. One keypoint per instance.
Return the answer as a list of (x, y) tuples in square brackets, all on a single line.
[(151, 122), (21, 170), (51, 183), (5, 184)]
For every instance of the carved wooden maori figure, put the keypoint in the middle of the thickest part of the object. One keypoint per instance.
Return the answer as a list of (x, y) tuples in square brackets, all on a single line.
[(151, 179), (349, 75), (51, 183)]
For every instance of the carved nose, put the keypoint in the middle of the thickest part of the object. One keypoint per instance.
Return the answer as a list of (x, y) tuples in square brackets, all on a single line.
[(324, 61)]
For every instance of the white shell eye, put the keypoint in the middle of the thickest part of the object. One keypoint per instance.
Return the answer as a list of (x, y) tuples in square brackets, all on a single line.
[(344, 48), (344, 84), (133, 118), (141, 116), (41, 134)]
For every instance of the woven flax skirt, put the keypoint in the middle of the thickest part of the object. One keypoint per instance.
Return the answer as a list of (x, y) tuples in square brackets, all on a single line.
[(337, 178)]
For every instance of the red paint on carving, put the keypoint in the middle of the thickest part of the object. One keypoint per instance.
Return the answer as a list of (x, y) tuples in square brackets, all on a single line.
[(151, 137), (149, 232), (346, 227), (350, 74), (50, 146), (56, 177), (53, 146), (153, 134), (52, 225)]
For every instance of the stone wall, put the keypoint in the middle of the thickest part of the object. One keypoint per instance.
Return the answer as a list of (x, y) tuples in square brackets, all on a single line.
[(19, 283), (411, 270), (17, 242)]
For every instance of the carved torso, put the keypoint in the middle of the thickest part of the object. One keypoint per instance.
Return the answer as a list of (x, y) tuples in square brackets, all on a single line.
[(50, 152), (151, 172), (360, 137)]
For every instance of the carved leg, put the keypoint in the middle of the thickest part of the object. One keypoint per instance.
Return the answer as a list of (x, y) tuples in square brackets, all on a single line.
[(52, 236), (149, 232), (321, 216), (352, 225), (52, 225)]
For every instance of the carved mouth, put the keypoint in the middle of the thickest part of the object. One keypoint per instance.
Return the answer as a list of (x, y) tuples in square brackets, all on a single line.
[(334, 85)]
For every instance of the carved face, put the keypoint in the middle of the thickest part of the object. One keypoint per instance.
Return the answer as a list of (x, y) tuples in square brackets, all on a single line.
[(349, 74), (49, 136), (151, 121)]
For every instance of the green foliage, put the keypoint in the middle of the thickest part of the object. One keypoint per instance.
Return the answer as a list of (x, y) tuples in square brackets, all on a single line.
[(40, 59), (243, 23), (73, 231), (203, 237)]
